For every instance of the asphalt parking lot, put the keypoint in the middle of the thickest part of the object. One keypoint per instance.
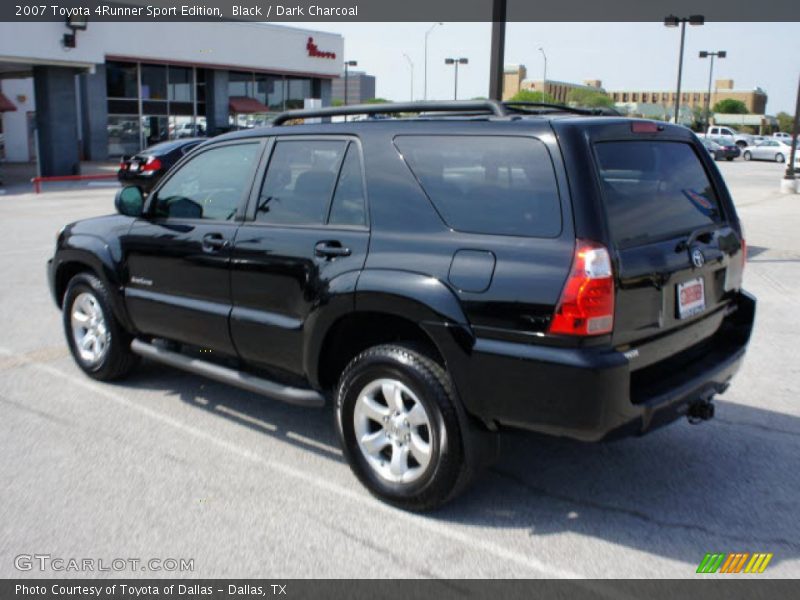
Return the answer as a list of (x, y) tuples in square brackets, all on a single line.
[(169, 465)]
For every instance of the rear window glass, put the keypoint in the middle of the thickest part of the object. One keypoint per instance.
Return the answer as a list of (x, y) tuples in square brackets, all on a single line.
[(654, 190), (487, 184)]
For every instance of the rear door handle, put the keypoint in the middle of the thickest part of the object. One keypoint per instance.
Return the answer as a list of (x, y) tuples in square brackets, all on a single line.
[(214, 241), (331, 249)]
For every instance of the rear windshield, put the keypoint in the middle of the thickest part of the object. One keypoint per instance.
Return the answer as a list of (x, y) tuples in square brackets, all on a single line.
[(654, 190), (487, 184)]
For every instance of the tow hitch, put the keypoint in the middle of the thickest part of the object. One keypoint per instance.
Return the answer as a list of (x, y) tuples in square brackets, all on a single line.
[(700, 410)]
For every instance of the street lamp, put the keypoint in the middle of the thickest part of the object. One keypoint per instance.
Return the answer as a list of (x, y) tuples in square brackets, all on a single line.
[(347, 64), (411, 67), (456, 62), (425, 82), (673, 21), (544, 75), (789, 182), (706, 54)]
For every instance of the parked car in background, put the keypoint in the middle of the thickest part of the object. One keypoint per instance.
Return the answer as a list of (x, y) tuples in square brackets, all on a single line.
[(730, 134), (149, 166), (731, 149), (783, 135), (777, 150), (190, 130), (716, 151)]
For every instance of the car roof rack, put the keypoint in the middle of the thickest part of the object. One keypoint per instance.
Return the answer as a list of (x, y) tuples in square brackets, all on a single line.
[(449, 108), (512, 105), (453, 107)]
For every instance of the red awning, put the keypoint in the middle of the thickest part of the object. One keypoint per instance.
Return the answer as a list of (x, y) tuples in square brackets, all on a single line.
[(242, 105), (5, 104)]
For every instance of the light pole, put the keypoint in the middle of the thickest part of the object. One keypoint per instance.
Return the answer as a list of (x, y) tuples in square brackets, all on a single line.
[(410, 66), (347, 64), (544, 75), (789, 180), (425, 69), (706, 54), (673, 21), (456, 62)]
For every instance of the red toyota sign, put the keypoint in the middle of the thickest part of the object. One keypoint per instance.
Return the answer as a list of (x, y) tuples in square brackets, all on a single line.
[(314, 51)]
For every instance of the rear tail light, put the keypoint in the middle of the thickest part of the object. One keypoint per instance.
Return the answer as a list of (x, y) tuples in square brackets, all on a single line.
[(152, 164), (586, 306)]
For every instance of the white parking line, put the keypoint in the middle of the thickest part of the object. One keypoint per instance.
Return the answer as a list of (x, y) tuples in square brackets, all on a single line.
[(469, 540)]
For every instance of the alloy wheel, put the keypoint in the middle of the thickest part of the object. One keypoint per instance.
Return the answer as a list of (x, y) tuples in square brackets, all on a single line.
[(393, 430), (89, 331)]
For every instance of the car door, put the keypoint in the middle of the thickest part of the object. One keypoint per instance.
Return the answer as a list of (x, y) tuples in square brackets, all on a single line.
[(306, 226), (178, 256), (765, 150)]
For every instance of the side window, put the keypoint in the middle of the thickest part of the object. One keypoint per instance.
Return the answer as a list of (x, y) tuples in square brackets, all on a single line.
[(209, 186), (487, 184), (348, 199), (299, 183)]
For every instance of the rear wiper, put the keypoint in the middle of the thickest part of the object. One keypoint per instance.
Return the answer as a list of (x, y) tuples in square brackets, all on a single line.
[(695, 235)]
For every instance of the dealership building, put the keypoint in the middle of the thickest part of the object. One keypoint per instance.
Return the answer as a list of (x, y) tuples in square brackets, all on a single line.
[(126, 86)]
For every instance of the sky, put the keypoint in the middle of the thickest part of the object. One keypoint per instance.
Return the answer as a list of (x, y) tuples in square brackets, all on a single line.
[(621, 55)]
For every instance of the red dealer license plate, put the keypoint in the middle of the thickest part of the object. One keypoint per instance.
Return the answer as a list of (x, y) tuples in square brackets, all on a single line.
[(691, 298)]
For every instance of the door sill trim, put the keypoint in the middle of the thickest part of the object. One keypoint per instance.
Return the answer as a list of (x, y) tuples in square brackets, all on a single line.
[(245, 381)]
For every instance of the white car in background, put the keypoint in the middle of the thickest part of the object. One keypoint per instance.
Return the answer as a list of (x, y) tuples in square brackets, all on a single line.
[(782, 135), (777, 150)]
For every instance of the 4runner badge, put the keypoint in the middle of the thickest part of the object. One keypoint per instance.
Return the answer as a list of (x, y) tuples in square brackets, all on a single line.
[(698, 260)]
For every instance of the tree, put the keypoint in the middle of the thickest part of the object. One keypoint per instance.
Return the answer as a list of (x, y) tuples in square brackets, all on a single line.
[(785, 122), (377, 101), (589, 98), (337, 102), (531, 96), (729, 106)]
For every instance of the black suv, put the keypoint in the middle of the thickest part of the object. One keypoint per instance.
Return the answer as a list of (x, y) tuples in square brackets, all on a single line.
[(440, 277)]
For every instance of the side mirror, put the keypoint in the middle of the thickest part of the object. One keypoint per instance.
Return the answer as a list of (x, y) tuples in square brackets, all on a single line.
[(130, 201)]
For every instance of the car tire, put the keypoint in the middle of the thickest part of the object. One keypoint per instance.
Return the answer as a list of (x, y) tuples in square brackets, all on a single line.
[(98, 342), (747, 155), (729, 158), (741, 144), (398, 425), (780, 158)]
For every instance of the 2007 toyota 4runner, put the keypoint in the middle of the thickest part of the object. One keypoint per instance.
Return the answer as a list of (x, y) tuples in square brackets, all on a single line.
[(479, 266)]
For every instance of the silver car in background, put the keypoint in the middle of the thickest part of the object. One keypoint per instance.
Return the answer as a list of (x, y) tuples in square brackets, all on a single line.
[(777, 150)]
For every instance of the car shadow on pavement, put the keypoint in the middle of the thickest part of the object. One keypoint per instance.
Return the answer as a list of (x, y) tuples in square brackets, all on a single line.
[(727, 485)]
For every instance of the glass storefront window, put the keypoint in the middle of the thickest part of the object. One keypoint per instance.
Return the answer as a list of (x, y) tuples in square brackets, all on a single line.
[(121, 80), (123, 135), (240, 84), (154, 82), (180, 84), (270, 91), (154, 130), (299, 90)]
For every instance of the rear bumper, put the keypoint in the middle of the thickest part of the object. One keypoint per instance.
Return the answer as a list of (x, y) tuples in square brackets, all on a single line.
[(592, 394)]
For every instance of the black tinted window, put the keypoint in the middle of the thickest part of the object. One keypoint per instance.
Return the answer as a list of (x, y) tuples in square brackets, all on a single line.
[(654, 189), (210, 186), (487, 184), (348, 199), (299, 183)]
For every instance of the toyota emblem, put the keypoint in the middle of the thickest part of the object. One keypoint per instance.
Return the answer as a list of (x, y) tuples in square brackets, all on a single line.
[(698, 260)]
